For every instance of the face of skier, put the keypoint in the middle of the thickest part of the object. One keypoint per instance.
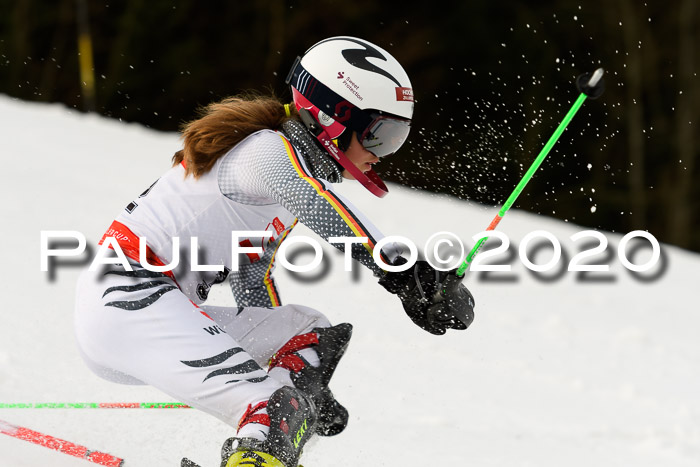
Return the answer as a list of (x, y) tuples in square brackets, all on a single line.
[(359, 156)]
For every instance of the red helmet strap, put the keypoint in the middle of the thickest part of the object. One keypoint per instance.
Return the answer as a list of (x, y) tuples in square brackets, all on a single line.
[(369, 180)]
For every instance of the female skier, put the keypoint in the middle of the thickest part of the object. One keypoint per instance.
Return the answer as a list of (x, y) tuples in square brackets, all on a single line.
[(250, 168)]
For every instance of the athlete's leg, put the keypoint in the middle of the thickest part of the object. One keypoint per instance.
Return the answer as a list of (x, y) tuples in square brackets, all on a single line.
[(300, 347), (138, 324), (263, 331)]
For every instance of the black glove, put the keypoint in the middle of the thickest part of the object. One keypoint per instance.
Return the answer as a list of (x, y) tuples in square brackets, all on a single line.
[(435, 300)]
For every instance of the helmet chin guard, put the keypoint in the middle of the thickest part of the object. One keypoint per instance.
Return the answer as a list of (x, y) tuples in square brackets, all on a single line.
[(369, 179)]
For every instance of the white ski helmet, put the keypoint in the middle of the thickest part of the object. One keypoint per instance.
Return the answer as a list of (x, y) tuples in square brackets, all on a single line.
[(351, 85)]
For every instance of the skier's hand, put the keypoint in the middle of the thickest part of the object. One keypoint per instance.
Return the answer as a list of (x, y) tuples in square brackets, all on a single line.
[(434, 300)]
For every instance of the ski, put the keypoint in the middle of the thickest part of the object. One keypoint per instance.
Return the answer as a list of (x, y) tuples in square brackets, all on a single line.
[(60, 445), (188, 463)]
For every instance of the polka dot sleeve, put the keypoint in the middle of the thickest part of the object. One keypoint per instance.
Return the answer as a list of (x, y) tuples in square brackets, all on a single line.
[(267, 169)]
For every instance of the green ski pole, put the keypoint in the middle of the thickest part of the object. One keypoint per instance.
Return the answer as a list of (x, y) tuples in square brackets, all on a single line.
[(94, 405), (590, 85)]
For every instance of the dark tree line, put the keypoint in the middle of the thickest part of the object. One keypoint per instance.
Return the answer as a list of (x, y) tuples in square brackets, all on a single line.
[(492, 80)]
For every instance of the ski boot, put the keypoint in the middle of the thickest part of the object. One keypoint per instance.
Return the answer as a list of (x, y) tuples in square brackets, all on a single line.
[(330, 345), (291, 416)]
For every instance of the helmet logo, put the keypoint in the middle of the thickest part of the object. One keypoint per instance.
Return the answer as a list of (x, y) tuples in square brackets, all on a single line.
[(324, 119), (341, 74), (342, 111), (358, 58), (404, 94)]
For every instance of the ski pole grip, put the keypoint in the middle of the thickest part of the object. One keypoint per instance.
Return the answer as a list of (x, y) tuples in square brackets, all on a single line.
[(591, 84), (448, 287)]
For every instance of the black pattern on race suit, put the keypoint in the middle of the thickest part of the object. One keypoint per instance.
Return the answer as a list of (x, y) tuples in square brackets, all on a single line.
[(137, 296), (247, 367), (265, 174)]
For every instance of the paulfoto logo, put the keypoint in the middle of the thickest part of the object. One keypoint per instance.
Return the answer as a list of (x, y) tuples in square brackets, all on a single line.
[(444, 251)]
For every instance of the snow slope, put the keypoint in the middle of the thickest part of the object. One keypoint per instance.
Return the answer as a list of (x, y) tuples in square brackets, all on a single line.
[(551, 373)]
